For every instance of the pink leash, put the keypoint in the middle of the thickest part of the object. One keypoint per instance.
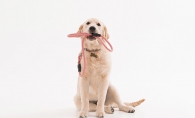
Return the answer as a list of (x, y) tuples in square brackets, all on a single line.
[(84, 35)]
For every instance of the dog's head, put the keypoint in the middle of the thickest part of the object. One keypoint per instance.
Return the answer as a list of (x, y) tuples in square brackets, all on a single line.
[(93, 26)]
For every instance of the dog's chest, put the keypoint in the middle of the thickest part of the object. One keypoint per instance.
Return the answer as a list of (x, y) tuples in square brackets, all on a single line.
[(96, 68), (94, 83), (97, 71)]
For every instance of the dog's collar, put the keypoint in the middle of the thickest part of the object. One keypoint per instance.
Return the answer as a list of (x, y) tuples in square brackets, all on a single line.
[(93, 50)]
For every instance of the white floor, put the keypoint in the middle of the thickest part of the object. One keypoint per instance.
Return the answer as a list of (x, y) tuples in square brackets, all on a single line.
[(144, 111), (140, 113)]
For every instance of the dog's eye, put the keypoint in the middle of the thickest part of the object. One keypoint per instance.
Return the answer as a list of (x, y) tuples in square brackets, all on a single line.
[(98, 24), (88, 23)]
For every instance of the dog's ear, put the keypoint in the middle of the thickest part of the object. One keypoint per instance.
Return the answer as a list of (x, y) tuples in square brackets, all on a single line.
[(80, 29), (105, 33)]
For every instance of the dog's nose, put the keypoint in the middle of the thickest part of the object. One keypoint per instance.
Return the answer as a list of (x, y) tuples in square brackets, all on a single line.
[(92, 29)]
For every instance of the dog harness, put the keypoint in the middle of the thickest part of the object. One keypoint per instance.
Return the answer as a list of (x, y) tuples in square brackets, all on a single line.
[(84, 36)]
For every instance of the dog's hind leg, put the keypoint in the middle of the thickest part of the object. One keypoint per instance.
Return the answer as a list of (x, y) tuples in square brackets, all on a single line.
[(113, 97)]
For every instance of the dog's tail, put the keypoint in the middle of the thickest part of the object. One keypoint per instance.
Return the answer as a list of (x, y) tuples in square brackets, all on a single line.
[(134, 104)]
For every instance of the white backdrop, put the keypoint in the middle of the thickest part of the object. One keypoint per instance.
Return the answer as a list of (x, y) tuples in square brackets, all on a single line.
[(153, 58)]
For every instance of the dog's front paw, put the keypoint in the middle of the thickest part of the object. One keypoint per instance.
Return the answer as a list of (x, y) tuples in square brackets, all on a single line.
[(100, 114), (83, 114)]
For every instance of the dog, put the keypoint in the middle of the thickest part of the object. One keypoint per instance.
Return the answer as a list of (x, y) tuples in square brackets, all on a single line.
[(94, 90)]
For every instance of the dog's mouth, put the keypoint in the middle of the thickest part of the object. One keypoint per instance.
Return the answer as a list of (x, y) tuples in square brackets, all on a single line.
[(91, 38)]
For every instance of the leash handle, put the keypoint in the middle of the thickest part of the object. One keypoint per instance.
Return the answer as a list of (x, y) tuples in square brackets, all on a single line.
[(78, 34), (95, 35)]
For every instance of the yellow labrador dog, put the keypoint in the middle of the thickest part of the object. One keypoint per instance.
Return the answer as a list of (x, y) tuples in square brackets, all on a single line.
[(94, 91)]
